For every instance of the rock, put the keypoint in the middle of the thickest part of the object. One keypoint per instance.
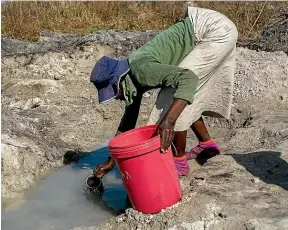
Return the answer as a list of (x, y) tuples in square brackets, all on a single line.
[(267, 224), (67, 43), (272, 38), (255, 180), (146, 95), (16, 154), (197, 225), (32, 103)]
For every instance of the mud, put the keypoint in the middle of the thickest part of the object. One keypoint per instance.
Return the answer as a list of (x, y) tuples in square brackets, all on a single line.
[(49, 107)]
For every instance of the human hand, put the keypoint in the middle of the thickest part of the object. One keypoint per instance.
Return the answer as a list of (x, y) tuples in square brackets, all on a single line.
[(166, 131), (104, 168), (166, 126)]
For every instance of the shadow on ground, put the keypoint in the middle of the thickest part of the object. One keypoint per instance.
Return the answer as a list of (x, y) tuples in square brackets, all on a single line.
[(266, 165)]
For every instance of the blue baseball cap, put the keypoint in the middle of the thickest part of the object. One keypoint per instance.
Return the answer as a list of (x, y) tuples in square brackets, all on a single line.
[(106, 76)]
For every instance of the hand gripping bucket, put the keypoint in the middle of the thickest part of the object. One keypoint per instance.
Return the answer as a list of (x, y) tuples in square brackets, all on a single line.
[(149, 177)]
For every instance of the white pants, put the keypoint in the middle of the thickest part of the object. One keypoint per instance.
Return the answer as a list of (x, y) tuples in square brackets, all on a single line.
[(213, 61)]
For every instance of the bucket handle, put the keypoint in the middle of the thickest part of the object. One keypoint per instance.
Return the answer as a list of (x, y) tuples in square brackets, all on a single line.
[(174, 148)]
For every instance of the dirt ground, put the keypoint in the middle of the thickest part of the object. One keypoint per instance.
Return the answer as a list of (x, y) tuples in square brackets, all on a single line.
[(49, 106)]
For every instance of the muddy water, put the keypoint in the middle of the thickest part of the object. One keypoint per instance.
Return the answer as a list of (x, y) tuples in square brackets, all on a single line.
[(62, 202)]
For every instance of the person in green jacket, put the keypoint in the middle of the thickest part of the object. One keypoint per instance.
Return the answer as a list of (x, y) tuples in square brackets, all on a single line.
[(193, 63)]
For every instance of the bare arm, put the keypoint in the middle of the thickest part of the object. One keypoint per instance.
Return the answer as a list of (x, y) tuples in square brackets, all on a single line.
[(130, 116), (166, 127), (128, 122)]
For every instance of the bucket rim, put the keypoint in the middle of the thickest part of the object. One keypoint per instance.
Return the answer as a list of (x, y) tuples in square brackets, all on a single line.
[(134, 151), (127, 147)]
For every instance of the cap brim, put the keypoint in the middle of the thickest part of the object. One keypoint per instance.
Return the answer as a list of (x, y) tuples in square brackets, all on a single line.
[(106, 94)]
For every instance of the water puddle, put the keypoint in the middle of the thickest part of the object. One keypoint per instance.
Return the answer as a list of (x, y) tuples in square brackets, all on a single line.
[(62, 202)]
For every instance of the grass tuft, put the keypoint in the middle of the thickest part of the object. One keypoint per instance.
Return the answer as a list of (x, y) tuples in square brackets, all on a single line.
[(24, 20)]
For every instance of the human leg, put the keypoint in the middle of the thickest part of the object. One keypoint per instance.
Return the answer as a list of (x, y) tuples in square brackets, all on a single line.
[(200, 130), (179, 142), (180, 158), (206, 144)]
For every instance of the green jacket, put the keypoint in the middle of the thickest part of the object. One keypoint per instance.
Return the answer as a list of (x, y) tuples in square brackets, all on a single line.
[(155, 65)]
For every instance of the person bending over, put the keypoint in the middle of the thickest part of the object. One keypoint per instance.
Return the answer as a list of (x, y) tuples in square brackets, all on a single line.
[(193, 62)]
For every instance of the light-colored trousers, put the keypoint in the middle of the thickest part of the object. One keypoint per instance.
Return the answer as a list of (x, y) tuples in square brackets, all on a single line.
[(213, 61)]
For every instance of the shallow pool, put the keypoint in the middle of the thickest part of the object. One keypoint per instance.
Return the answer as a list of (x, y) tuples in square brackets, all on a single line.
[(62, 202)]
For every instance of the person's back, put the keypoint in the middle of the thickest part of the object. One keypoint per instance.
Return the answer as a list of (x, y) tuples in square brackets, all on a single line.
[(169, 47)]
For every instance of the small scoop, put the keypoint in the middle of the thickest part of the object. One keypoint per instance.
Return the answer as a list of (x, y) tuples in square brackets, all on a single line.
[(94, 184)]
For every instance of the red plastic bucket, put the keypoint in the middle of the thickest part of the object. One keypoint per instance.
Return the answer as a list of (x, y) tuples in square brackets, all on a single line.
[(150, 178)]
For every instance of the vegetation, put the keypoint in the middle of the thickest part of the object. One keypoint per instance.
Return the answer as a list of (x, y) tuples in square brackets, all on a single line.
[(24, 19)]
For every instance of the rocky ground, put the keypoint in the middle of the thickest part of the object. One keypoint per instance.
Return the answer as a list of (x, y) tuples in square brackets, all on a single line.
[(49, 106)]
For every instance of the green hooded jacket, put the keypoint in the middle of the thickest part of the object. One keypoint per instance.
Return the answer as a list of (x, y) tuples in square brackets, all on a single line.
[(155, 65)]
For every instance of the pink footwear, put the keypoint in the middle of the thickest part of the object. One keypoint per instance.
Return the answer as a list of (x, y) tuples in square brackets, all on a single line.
[(208, 148), (182, 166)]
